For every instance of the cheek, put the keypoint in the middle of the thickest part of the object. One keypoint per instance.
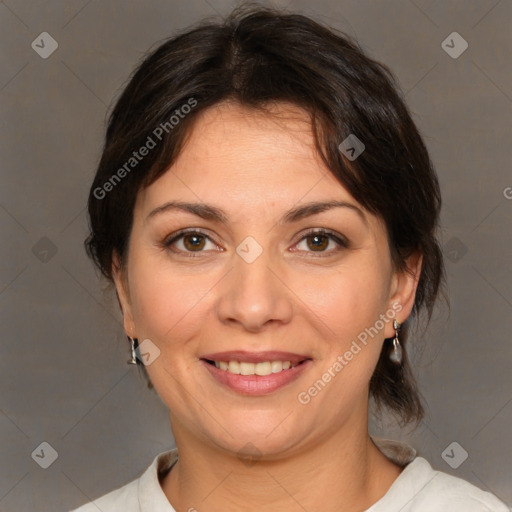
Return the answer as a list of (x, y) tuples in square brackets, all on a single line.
[(349, 306), (347, 301), (173, 306), (167, 303)]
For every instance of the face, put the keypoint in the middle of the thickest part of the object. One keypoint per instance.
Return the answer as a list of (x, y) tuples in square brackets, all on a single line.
[(249, 250)]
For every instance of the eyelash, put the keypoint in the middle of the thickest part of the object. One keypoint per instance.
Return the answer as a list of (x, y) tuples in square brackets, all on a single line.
[(338, 239)]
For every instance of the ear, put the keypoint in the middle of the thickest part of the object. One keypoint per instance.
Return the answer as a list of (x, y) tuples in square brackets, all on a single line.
[(403, 290), (123, 295)]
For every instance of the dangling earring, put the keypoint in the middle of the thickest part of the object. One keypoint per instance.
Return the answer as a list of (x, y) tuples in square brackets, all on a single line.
[(397, 355), (133, 360)]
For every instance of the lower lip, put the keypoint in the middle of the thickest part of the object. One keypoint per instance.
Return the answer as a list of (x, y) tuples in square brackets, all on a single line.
[(257, 384)]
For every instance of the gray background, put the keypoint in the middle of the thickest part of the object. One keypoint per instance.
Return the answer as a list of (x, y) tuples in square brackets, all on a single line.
[(63, 375)]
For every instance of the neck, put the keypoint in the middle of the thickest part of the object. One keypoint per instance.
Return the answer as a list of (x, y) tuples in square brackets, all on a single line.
[(344, 471)]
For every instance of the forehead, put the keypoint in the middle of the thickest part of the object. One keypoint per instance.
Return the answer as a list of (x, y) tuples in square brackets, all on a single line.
[(241, 142), (291, 124), (241, 154)]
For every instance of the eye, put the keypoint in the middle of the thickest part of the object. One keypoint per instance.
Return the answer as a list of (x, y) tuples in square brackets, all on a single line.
[(320, 240), (191, 241)]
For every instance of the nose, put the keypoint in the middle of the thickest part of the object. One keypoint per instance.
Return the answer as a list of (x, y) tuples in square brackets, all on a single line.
[(254, 295)]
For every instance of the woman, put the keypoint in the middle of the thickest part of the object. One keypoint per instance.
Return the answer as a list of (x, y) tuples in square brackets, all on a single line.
[(267, 211)]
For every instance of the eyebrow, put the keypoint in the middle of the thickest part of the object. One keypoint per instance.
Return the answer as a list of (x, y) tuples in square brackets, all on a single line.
[(212, 213)]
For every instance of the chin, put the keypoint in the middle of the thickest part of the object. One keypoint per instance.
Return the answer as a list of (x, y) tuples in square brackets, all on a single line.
[(256, 440)]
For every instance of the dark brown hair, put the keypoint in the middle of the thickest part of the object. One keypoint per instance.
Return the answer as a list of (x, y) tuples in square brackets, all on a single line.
[(257, 57)]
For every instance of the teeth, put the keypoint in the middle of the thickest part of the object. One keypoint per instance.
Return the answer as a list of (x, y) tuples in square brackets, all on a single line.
[(234, 367), (244, 368)]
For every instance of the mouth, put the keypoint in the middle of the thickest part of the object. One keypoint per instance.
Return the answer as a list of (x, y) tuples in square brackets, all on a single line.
[(255, 372), (246, 368), (254, 363)]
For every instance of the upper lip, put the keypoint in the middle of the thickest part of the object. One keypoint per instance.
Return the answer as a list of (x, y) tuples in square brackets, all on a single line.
[(255, 357)]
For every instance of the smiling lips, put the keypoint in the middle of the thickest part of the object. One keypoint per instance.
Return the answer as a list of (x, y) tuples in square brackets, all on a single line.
[(255, 373)]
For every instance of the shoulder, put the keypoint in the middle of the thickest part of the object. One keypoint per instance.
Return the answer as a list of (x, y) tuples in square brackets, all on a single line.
[(458, 494), (125, 498), (428, 490), (143, 494), (420, 488)]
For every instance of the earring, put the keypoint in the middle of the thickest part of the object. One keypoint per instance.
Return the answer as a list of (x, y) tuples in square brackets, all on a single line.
[(133, 360), (397, 355)]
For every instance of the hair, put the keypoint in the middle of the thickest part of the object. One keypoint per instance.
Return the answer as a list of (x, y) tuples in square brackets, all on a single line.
[(258, 57)]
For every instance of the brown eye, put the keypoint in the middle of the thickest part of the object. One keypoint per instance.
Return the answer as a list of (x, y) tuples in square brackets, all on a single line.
[(191, 243), (317, 242), (321, 241), (194, 242)]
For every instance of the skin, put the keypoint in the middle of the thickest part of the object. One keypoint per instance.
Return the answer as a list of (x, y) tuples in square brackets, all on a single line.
[(294, 297)]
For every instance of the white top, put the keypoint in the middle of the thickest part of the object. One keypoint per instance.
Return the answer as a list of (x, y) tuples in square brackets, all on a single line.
[(418, 488)]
